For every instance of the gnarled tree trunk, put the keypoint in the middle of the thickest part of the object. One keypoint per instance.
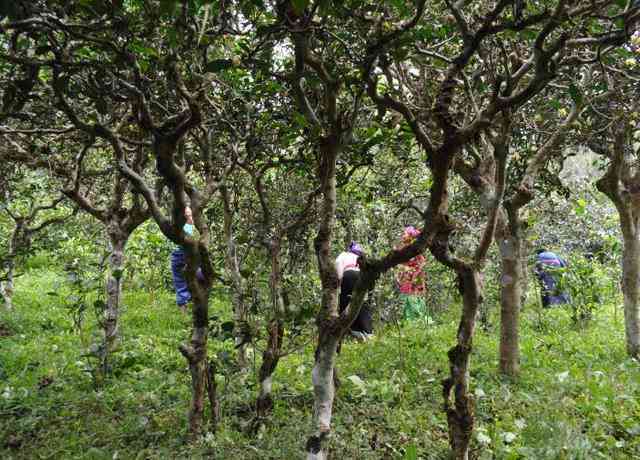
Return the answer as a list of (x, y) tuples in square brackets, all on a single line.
[(460, 414), (196, 352), (117, 241)]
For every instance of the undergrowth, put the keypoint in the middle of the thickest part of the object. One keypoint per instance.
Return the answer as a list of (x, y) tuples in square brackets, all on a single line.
[(577, 397)]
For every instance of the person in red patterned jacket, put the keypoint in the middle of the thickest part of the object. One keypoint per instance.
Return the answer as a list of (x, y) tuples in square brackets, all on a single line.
[(410, 279)]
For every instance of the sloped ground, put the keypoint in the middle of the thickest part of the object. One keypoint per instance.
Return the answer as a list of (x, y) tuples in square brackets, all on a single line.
[(577, 397)]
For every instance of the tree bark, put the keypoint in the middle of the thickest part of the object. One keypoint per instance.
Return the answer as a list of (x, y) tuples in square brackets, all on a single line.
[(631, 291), (510, 304), (118, 240), (237, 292), (212, 389), (270, 359), (275, 331), (196, 356), (620, 184), (324, 393), (328, 334), (460, 415), (6, 286)]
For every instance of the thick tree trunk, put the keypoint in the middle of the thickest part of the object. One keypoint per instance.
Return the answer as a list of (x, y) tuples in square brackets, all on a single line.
[(118, 241), (620, 184), (6, 286), (460, 414), (631, 291), (324, 393), (270, 359), (196, 356), (511, 296), (328, 332), (196, 352)]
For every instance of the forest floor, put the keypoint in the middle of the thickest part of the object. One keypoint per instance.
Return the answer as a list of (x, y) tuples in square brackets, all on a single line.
[(577, 397)]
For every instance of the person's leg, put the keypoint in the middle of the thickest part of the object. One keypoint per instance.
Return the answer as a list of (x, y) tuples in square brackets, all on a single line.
[(546, 282), (179, 283), (349, 280), (364, 320)]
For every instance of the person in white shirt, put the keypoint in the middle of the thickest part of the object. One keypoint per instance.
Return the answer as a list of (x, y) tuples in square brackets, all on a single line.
[(348, 275)]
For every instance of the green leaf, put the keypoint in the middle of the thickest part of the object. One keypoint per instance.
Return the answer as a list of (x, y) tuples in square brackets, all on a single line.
[(218, 65), (410, 453), (575, 94), (299, 5), (358, 383), (300, 120)]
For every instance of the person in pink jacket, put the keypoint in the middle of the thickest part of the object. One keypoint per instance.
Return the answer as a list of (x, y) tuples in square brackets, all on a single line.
[(348, 275)]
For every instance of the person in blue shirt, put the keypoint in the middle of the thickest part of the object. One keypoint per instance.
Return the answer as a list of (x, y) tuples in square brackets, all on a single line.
[(546, 263), (183, 295)]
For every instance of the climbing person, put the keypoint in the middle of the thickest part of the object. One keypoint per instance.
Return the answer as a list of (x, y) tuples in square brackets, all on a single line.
[(546, 263), (348, 274), (410, 280), (178, 263)]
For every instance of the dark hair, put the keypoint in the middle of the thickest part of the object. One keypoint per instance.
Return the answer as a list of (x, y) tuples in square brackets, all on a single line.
[(540, 251)]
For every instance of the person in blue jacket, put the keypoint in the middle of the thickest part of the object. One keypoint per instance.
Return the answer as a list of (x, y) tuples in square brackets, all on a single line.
[(546, 263), (178, 263)]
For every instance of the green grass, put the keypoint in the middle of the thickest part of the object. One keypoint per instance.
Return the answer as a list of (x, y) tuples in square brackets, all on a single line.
[(577, 397)]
